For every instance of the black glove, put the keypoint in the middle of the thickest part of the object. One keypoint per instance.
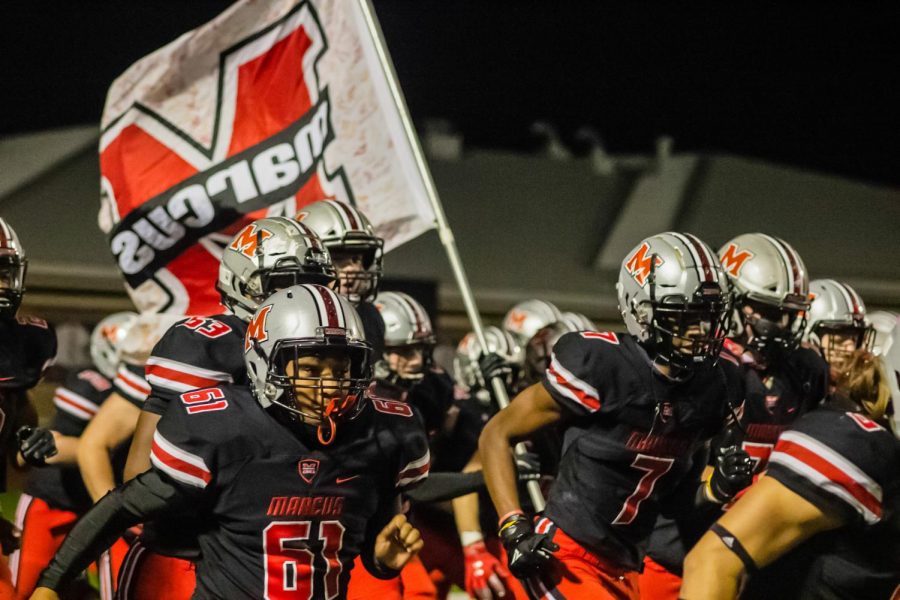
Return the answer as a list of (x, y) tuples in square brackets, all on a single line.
[(493, 365), (528, 467), (733, 469), (36, 445), (528, 552)]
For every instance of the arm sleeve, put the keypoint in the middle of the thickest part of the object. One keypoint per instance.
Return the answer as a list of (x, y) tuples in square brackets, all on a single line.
[(146, 497), (838, 462), (414, 462), (187, 359), (572, 375), (439, 487), (131, 384)]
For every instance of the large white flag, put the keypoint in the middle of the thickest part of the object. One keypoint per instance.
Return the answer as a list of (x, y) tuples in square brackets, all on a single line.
[(272, 105)]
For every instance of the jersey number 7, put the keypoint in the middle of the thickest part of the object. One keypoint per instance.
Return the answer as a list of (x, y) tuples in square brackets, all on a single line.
[(291, 559), (653, 467)]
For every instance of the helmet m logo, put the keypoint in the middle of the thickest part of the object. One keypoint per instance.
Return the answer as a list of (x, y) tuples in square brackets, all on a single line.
[(516, 320), (248, 240), (256, 330), (639, 265), (733, 261)]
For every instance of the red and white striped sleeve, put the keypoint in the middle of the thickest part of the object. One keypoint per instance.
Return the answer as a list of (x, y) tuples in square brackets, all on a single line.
[(131, 385), (570, 377), (179, 377), (414, 471), (74, 404), (834, 467), (185, 467)]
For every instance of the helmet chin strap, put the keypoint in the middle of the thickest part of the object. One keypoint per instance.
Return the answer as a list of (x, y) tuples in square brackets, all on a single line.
[(327, 421)]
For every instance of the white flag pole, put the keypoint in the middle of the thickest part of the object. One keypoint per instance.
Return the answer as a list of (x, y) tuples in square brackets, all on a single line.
[(443, 228)]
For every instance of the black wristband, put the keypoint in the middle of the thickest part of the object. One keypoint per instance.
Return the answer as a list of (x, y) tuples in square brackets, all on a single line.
[(732, 543)]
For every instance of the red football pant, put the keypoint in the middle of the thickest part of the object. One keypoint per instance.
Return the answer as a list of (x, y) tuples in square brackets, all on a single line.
[(6, 585), (43, 531), (413, 583), (146, 575), (657, 583), (579, 573)]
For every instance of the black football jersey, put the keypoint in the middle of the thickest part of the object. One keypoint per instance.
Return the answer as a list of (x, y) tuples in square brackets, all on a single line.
[(631, 438), (197, 352), (77, 401), (774, 399), (373, 326), (27, 348), (845, 464), (285, 518)]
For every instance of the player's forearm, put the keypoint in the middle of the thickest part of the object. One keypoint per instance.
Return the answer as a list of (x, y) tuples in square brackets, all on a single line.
[(66, 450), (139, 500), (465, 508), (139, 452), (498, 467), (96, 468)]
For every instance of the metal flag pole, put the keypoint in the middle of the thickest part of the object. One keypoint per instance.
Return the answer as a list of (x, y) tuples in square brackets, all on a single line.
[(443, 227)]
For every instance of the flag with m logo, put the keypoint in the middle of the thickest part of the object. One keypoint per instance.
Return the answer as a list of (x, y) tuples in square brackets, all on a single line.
[(270, 106)]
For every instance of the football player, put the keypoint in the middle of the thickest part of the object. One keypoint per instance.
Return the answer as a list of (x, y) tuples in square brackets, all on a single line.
[(837, 325), (54, 494), (357, 254), (782, 380), (639, 408), (826, 508), (27, 348), (266, 255), (294, 474), (405, 373)]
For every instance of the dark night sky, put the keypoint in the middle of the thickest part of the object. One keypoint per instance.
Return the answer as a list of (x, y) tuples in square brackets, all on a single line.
[(812, 84)]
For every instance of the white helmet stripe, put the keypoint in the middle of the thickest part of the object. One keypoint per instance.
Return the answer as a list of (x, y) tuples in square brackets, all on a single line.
[(710, 263), (853, 304), (352, 220), (796, 267), (694, 255), (342, 215), (786, 260), (414, 312), (328, 309)]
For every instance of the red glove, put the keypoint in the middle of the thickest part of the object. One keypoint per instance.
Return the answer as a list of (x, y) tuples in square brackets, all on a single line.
[(484, 573)]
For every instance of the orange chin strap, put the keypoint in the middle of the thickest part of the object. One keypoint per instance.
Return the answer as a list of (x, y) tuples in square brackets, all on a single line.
[(332, 426)]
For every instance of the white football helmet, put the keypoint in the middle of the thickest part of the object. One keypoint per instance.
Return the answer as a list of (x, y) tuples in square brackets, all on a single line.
[(106, 341), (347, 232), (13, 265), (771, 288), (406, 323), (308, 322), (525, 318), (674, 298), (267, 255), (578, 322), (837, 314), (468, 351)]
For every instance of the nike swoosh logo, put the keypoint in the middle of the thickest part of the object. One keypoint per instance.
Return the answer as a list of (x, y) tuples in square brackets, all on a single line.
[(341, 480)]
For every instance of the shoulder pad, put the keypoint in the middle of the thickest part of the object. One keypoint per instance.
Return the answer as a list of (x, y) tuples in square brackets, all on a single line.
[(581, 365), (195, 353), (402, 423)]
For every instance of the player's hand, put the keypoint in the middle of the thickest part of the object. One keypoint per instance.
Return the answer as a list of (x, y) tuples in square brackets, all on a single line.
[(36, 444), (484, 573), (528, 467), (493, 365), (529, 552), (9, 536), (43, 593), (733, 469), (397, 543)]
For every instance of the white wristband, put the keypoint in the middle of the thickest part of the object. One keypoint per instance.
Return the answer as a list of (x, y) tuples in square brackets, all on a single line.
[(467, 538)]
